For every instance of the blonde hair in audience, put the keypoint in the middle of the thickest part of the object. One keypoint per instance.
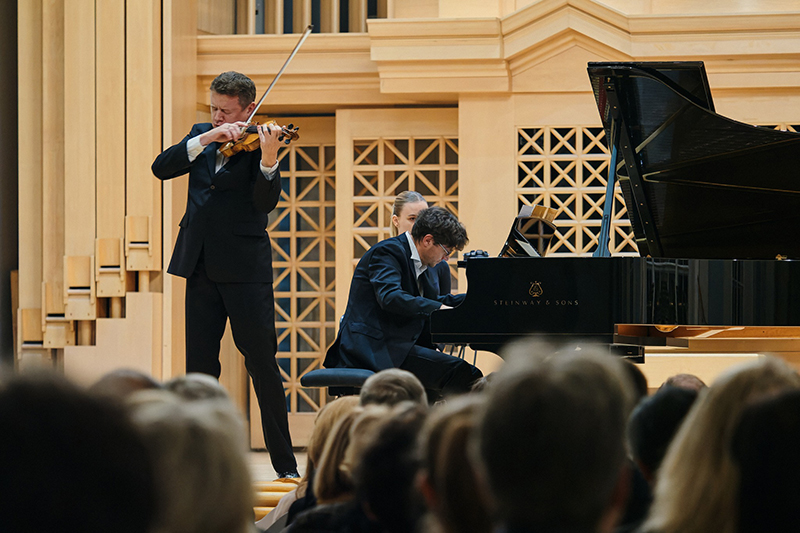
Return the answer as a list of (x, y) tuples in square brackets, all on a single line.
[(326, 420), (697, 484), (199, 453), (400, 201), (330, 484)]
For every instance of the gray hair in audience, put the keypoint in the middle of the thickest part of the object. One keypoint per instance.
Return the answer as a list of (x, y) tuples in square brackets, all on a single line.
[(392, 386), (197, 386), (550, 438), (199, 451), (123, 382)]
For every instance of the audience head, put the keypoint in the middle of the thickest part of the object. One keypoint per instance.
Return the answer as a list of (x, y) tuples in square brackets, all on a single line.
[(448, 480), (765, 449), (392, 386), (331, 482), (551, 440), (70, 460), (326, 420), (387, 467), (122, 383), (638, 379), (197, 386), (697, 483), (685, 381), (653, 424), (404, 211), (443, 227), (199, 452), (481, 383)]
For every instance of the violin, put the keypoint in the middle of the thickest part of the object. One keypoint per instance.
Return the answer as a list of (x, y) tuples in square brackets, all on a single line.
[(249, 140)]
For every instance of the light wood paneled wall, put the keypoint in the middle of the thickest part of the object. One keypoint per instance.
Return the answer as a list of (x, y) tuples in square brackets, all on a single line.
[(30, 170)]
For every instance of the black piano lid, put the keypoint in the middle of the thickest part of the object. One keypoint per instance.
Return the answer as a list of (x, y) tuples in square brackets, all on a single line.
[(697, 184)]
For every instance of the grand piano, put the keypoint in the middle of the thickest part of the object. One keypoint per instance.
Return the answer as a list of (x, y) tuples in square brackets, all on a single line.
[(715, 210)]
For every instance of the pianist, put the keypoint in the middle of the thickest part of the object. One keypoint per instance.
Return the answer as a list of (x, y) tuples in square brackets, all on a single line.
[(386, 323)]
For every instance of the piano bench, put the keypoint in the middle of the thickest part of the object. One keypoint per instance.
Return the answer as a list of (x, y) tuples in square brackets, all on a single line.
[(340, 381)]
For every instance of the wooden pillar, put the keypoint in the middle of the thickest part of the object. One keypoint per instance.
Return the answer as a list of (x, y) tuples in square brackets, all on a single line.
[(79, 160), (143, 134), (56, 329), (31, 145), (110, 176)]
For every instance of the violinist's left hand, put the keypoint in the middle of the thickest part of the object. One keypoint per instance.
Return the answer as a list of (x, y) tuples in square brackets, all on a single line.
[(268, 135)]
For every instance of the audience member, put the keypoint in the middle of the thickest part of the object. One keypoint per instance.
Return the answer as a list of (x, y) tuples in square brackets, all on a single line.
[(334, 484), (551, 440), (765, 449), (324, 423), (653, 424), (697, 483), (387, 468), (638, 379), (685, 381), (448, 482), (199, 452), (392, 386), (70, 461), (123, 382), (197, 386)]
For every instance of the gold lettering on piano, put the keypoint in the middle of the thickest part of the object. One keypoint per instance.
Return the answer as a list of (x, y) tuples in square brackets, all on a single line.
[(537, 303), (536, 289)]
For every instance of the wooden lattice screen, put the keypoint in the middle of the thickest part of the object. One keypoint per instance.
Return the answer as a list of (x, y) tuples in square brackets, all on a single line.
[(383, 168), (302, 229), (567, 168)]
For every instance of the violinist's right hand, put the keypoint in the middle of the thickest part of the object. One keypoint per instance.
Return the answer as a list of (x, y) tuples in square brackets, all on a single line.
[(223, 133)]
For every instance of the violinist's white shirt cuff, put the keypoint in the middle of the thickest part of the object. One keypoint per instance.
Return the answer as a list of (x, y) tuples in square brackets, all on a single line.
[(194, 148), (269, 173)]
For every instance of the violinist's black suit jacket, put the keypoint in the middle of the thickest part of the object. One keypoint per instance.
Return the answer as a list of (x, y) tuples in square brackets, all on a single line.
[(224, 252), (226, 213), (386, 315)]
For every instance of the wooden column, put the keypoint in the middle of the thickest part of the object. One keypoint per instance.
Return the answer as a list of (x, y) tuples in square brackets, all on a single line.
[(31, 152), (58, 331), (79, 162), (110, 176), (143, 135)]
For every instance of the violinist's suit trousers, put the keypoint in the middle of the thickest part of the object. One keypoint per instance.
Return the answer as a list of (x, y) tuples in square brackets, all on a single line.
[(224, 252)]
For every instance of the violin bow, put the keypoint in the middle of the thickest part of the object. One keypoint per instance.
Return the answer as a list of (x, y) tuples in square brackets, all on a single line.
[(278, 75)]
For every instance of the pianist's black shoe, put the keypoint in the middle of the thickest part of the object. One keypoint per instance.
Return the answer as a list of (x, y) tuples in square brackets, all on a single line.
[(289, 475)]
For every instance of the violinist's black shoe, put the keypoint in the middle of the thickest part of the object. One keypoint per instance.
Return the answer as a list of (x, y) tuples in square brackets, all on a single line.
[(289, 475)]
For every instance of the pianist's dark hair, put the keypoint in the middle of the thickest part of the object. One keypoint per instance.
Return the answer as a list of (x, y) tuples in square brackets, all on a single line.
[(443, 225)]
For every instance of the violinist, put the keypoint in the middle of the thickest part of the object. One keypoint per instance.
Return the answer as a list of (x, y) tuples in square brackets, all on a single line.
[(223, 250)]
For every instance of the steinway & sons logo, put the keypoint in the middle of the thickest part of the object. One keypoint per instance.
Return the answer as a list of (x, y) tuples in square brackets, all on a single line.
[(535, 293)]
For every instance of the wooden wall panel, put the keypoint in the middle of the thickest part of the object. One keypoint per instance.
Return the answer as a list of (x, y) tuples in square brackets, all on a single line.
[(179, 75), (79, 159), (110, 176), (143, 136), (57, 332), (30, 157)]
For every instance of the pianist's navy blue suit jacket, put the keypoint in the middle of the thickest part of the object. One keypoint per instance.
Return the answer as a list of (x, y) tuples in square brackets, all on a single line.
[(226, 213), (386, 314)]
